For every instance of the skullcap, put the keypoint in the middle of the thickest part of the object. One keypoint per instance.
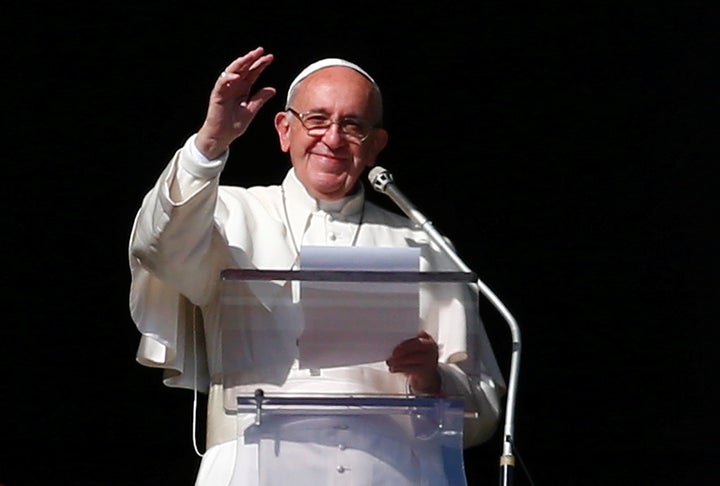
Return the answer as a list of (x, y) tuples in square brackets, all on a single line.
[(322, 64)]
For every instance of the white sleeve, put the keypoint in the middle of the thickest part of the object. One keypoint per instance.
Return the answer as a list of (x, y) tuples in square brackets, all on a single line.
[(482, 396), (174, 255), (193, 171), (468, 367)]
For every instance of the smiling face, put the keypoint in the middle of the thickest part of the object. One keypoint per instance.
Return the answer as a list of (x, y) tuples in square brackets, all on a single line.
[(330, 165)]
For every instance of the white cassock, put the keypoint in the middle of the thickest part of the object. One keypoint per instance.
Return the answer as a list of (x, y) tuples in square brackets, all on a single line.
[(189, 229)]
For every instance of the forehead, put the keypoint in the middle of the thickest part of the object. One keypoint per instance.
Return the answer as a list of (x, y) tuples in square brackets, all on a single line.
[(335, 88)]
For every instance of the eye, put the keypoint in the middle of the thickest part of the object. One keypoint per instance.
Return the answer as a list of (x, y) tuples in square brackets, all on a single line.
[(351, 123), (354, 127), (315, 120)]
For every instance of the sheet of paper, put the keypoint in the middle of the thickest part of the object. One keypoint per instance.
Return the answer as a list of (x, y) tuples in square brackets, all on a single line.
[(347, 323)]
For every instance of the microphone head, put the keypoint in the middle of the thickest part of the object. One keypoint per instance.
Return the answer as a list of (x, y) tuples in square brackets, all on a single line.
[(379, 178)]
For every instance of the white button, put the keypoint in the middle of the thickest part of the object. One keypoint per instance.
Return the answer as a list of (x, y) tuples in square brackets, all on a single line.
[(342, 447), (340, 469)]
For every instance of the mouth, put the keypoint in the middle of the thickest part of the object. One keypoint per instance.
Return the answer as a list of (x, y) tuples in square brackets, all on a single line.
[(329, 161)]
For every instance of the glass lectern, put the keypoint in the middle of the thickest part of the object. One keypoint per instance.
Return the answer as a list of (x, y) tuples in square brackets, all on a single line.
[(303, 354)]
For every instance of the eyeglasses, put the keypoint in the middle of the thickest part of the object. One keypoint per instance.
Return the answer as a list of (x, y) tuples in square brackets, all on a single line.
[(317, 124)]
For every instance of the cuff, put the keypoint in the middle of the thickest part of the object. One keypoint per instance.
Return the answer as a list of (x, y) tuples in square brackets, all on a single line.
[(194, 162)]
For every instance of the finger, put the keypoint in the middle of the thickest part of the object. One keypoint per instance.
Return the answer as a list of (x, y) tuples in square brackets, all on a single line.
[(415, 365), (414, 345), (235, 69), (422, 337), (233, 83), (263, 60), (259, 99), (418, 355), (258, 67), (243, 63), (403, 355), (225, 80)]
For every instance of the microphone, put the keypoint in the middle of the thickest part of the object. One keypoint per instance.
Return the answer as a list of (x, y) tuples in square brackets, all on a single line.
[(382, 181)]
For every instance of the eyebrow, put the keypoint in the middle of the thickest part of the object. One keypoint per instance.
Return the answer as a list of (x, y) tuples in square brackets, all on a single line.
[(322, 111)]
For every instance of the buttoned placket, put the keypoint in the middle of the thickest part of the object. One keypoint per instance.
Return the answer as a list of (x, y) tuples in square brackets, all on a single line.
[(329, 229), (313, 222), (342, 465)]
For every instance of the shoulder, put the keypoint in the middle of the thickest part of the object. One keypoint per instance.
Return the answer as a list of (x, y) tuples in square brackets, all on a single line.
[(248, 194), (388, 227), (375, 214), (257, 200)]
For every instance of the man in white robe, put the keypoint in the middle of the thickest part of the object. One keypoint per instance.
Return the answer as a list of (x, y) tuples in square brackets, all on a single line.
[(190, 228)]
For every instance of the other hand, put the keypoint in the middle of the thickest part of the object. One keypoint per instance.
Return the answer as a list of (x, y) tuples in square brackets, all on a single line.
[(418, 359)]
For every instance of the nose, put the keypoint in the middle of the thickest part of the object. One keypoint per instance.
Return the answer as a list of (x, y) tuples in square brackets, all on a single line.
[(333, 137)]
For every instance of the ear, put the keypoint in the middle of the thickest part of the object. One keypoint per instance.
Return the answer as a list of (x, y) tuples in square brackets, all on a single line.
[(282, 126), (377, 142)]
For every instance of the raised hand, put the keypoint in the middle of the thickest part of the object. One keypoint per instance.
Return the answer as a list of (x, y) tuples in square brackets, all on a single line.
[(232, 107)]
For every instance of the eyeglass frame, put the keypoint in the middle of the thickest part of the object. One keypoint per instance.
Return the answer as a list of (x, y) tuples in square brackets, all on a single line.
[(332, 122)]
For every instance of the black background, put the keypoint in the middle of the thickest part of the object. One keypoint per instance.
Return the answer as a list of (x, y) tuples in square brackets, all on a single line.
[(565, 148)]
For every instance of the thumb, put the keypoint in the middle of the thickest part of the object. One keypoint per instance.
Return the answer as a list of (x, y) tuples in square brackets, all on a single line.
[(260, 98)]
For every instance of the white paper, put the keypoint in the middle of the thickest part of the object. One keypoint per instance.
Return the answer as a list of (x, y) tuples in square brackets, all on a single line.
[(347, 323)]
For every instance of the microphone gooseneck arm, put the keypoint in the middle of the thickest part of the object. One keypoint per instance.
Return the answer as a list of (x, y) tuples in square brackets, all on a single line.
[(382, 181)]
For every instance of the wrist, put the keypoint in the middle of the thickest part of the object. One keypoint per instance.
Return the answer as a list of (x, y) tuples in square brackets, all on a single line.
[(210, 147), (429, 384)]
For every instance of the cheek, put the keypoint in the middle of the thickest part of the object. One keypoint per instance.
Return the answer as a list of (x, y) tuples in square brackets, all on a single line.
[(365, 157), (296, 145)]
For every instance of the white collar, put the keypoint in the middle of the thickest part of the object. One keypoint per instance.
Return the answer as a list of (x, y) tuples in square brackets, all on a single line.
[(299, 206)]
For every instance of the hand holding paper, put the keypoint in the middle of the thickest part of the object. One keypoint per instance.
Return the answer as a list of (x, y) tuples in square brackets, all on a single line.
[(418, 358)]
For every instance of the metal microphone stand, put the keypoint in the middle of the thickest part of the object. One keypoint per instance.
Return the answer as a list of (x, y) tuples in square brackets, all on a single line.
[(381, 181), (507, 460)]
